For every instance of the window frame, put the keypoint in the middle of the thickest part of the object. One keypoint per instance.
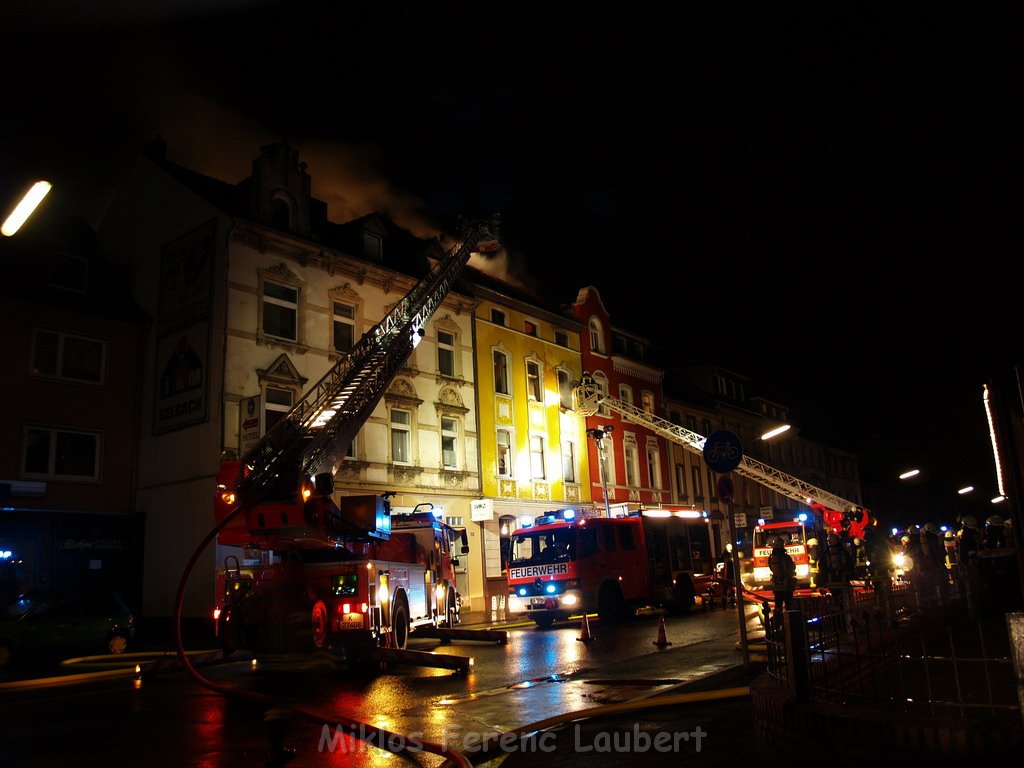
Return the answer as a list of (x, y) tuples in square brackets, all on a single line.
[(337, 319), (449, 347), (534, 381), (509, 447), (278, 302), (537, 454), (51, 472), (62, 337), (501, 386), (569, 472), (400, 428), (453, 435)]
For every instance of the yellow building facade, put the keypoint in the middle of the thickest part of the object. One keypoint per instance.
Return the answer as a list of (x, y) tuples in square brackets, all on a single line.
[(533, 453)]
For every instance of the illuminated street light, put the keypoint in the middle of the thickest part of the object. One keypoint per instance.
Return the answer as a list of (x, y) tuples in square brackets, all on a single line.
[(773, 432), (966, 489), (998, 499), (24, 209), (910, 473)]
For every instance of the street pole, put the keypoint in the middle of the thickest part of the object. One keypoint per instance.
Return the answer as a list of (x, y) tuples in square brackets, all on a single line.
[(738, 585), (599, 434)]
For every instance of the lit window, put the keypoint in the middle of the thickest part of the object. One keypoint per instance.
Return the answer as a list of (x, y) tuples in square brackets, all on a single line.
[(533, 387), (449, 441), (501, 373), (654, 467), (344, 327), (626, 394), (569, 462), (647, 399), (631, 465), (537, 457), (601, 384), (280, 311), (530, 329), (61, 454), (564, 389), (401, 436), (65, 356), (504, 443), (278, 403), (445, 353)]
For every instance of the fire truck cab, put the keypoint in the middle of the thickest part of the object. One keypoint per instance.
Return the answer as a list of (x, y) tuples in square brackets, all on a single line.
[(562, 565), (795, 534)]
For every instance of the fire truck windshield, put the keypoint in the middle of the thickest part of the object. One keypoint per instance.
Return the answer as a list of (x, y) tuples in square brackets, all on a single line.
[(790, 534), (543, 546)]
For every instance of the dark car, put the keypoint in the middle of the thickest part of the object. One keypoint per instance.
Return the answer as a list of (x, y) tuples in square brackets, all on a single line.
[(84, 621)]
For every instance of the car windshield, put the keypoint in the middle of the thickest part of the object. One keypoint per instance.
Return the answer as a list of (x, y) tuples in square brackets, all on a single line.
[(20, 606), (543, 546)]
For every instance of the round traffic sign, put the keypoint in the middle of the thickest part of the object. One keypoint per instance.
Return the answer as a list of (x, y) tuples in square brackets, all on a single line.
[(725, 488), (723, 451)]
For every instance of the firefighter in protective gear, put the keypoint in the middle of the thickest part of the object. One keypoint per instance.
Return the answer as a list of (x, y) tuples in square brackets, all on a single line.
[(933, 563), (783, 570), (813, 557)]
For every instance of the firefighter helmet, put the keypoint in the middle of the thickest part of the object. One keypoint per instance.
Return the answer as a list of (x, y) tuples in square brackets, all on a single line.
[(778, 541), (994, 522), (968, 521), (812, 542), (930, 528)]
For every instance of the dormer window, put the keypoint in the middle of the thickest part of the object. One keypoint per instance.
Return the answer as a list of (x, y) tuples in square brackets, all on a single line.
[(372, 246), (280, 213)]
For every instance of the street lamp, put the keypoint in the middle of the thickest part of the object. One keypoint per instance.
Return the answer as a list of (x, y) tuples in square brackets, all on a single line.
[(599, 434), (773, 432), (910, 473), (24, 209)]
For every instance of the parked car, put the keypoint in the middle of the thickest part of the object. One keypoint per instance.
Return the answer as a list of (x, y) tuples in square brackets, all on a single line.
[(85, 621)]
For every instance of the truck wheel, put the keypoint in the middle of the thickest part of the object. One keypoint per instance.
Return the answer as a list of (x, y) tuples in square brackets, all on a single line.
[(451, 609), (318, 624), (611, 606), (399, 625), (544, 621)]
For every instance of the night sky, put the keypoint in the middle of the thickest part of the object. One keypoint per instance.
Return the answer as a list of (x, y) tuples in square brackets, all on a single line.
[(823, 201)]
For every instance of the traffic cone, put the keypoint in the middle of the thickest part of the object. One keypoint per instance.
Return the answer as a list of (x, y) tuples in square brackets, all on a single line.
[(662, 641), (585, 636)]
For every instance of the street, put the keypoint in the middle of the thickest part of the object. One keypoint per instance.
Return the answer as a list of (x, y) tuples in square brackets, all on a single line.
[(168, 719)]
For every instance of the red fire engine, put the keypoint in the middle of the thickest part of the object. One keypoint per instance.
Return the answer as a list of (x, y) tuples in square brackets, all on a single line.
[(338, 573), (561, 565), (829, 513)]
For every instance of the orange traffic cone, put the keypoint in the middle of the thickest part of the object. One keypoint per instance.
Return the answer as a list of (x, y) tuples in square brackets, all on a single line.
[(662, 641), (585, 636)]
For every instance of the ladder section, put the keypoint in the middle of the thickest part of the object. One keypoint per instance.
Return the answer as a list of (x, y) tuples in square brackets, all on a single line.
[(314, 436), (588, 399)]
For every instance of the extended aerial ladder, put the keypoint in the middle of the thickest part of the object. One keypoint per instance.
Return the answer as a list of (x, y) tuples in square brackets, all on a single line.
[(838, 513), (284, 483)]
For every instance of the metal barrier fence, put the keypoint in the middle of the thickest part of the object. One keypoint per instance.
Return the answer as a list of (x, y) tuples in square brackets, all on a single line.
[(912, 647)]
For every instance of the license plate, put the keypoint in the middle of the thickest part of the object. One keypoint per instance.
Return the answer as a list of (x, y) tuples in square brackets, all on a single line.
[(537, 601)]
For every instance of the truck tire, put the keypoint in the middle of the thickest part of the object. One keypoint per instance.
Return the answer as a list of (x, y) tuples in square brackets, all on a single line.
[(543, 621), (451, 609), (611, 606), (399, 624), (318, 624)]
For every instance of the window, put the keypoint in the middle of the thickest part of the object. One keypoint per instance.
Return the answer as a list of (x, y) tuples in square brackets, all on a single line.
[(352, 452), (601, 383), (564, 389), (626, 538), (698, 491), (279, 402), (401, 436), (561, 338), (647, 402), (569, 462), (533, 383), (537, 457), (632, 466), (449, 441), (606, 462), (609, 538), (619, 344), (626, 394), (501, 373), (61, 454), (654, 467), (498, 317), (504, 443), (65, 356), (681, 481), (344, 327), (530, 329), (280, 213), (373, 247), (280, 311), (445, 353), (596, 335)]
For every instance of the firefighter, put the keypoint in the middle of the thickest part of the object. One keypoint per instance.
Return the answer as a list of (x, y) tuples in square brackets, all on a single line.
[(813, 562), (783, 570), (968, 544), (933, 557), (995, 533), (724, 571)]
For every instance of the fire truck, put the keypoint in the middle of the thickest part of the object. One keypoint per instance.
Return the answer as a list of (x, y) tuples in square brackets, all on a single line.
[(563, 564), (338, 573), (829, 513)]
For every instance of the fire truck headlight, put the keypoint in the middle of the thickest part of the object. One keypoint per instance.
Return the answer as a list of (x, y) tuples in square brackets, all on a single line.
[(803, 570), (551, 589), (899, 560), (762, 574), (569, 599), (515, 605), (216, 613)]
